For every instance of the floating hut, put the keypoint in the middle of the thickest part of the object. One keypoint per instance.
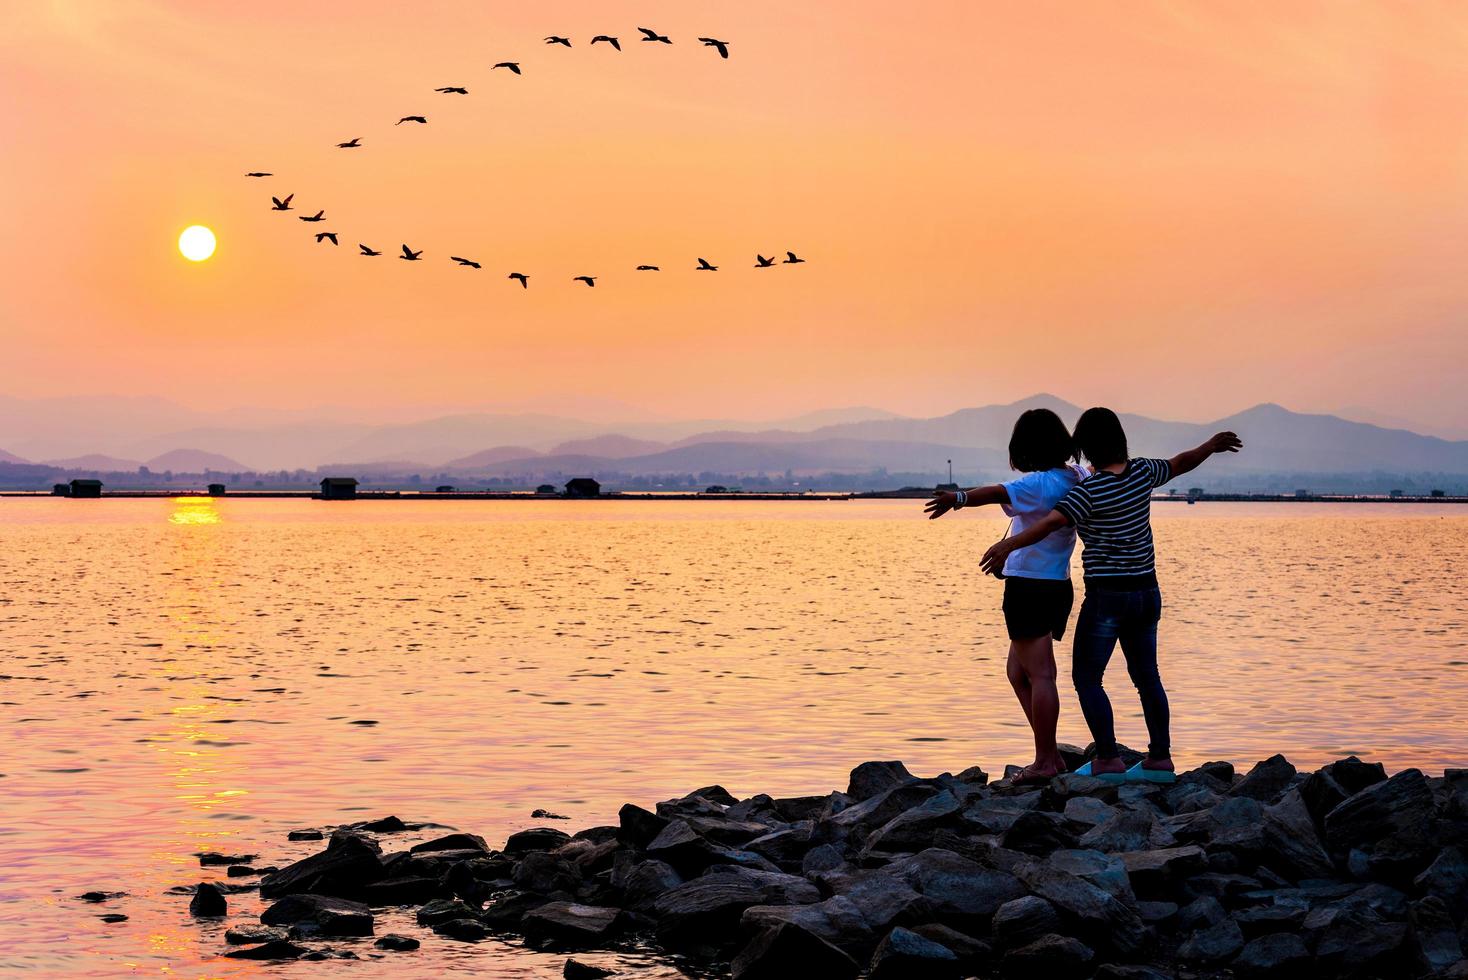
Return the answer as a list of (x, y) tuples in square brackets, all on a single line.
[(583, 486), (217, 489), (339, 488), (85, 488)]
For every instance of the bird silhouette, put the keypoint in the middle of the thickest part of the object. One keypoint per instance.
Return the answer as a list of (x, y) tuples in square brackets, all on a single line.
[(318, 216), (553, 39), (648, 268), (760, 262), (259, 173), (409, 255), (468, 262), (282, 205), (589, 280), (711, 42), (453, 90), (609, 39), (416, 119), (791, 258), (514, 66), (524, 279), (703, 266), (320, 235), (350, 144), (648, 35), (368, 251)]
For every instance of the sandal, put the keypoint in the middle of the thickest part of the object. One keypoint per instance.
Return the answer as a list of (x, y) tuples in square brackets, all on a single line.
[(1028, 777)]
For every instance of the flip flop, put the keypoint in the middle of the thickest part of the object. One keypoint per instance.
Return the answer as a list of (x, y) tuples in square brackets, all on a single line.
[(1105, 777), (1034, 778), (1137, 774)]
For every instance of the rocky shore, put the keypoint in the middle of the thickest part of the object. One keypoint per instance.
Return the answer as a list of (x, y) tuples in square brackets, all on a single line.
[(1341, 872)]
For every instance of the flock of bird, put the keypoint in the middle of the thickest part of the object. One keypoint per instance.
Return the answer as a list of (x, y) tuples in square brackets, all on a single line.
[(409, 255)]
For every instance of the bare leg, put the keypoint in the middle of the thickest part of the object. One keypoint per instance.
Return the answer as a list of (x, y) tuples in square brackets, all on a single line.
[(1036, 660), (1019, 680)]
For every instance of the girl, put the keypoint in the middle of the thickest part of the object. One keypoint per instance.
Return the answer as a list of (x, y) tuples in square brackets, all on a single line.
[(1037, 589), (1112, 512)]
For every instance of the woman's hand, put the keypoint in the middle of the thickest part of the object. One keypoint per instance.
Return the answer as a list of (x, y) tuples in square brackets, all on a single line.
[(993, 561), (1225, 442), (943, 501)]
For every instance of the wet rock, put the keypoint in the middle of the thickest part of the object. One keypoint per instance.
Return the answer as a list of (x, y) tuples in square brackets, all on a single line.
[(571, 924), (638, 827), (100, 896), (1432, 938), (330, 954), (1105, 871), (305, 835), (872, 778), (837, 920), (905, 955), (211, 859), (508, 911), (112, 917), (402, 891), (1267, 781), (1279, 954), (539, 814), (443, 910), (958, 891), (464, 930), (275, 949), (1213, 944), (245, 871), (348, 863), (387, 825), (250, 935), (452, 842), (1049, 956), (786, 951), (1447, 878), (1402, 802), (536, 839), (1159, 873), (576, 970), (208, 901), (329, 916), (1292, 845), (397, 944), (1021, 921), (542, 872)]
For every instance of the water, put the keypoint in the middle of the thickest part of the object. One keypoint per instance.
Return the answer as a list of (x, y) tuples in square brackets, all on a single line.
[(193, 674)]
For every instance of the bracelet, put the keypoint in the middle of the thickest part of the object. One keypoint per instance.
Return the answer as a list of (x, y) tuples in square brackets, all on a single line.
[(962, 496)]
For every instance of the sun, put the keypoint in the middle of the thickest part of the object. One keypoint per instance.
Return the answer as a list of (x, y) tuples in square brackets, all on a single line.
[(196, 243)]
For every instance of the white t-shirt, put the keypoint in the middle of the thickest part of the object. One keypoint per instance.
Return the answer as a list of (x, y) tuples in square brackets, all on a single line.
[(1031, 497)]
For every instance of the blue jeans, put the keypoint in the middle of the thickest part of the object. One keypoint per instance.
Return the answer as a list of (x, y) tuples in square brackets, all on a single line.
[(1130, 617)]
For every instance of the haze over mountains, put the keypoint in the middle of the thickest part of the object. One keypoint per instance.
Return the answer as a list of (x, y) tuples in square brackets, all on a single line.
[(151, 432)]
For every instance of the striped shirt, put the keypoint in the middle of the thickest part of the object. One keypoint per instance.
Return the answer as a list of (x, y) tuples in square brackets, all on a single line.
[(1112, 513)]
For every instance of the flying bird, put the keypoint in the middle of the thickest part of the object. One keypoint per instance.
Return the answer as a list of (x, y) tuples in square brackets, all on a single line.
[(368, 251), (648, 268), (453, 90), (703, 266), (791, 258), (318, 216), (761, 262), (409, 255), (711, 42), (514, 66), (416, 119), (553, 39), (258, 173), (469, 262), (609, 39), (524, 279), (648, 35), (321, 235), (350, 144), (282, 205), (589, 280)]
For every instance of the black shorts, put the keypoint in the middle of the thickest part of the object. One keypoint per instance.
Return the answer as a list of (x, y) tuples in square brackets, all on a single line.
[(1036, 607)]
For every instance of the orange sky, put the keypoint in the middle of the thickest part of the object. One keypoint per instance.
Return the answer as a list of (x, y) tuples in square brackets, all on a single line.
[(1180, 208)]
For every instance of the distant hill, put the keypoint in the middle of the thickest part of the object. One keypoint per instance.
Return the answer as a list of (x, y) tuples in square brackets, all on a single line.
[(612, 447), (196, 461), (488, 457), (95, 462), (11, 458)]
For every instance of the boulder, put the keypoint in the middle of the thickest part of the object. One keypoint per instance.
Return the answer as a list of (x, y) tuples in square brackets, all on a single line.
[(1097, 916), (1039, 832), (397, 944), (1447, 878), (1060, 957), (208, 901), (1280, 954), (443, 910), (823, 857), (251, 935), (1213, 944), (509, 911), (1292, 845), (275, 949), (401, 891), (570, 924), (576, 970), (837, 920), (996, 815), (958, 891), (1352, 939), (706, 910), (451, 842), (861, 818), (905, 955), (1087, 811), (1201, 913), (786, 951), (1105, 871), (913, 829), (543, 872), (1125, 830), (536, 839), (1129, 971), (1068, 786), (637, 826), (348, 863), (1021, 921), (872, 778), (1267, 781), (1401, 856), (682, 847), (1263, 920), (647, 881), (327, 915), (1401, 802), (882, 899), (1159, 873), (974, 955), (1432, 939), (464, 930), (786, 847), (210, 859)]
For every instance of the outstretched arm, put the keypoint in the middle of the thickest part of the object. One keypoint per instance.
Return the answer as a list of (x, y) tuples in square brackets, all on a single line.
[(993, 560), (1224, 442), (945, 500)]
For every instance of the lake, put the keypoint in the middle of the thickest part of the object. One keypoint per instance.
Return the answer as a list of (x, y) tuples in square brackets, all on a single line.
[(197, 674)]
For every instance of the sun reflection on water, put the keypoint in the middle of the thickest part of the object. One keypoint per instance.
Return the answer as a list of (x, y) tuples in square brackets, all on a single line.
[(194, 510)]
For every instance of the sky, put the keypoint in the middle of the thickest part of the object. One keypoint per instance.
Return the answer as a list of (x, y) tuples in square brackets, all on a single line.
[(1180, 208)]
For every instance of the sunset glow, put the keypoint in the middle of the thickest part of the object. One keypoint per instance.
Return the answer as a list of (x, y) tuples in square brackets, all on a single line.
[(196, 243)]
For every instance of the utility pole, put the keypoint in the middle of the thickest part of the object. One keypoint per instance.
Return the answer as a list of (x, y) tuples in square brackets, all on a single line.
[(950, 471)]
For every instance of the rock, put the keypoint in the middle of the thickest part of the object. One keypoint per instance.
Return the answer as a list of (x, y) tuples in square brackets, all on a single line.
[(1159, 873), (348, 863), (1201, 913), (330, 954), (958, 891), (973, 775), (1229, 889), (464, 930), (1039, 832), (1087, 811), (100, 896), (1235, 825), (387, 825), (250, 935), (208, 901), (1121, 971), (543, 873), (451, 842), (1401, 856), (905, 955), (682, 847), (402, 891), (1157, 913), (1068, 786), (1447, 878), (397, 944), (882, 899), (1403, 801), (1214, 944), (276, 949), (1049, 956), (1105, 871), (716, 794), (1292, 845), (508, 911), (786, 951), (330, 916), (304, 835), (1021, 921), (536, 839), (539, 814), (1267, 781), (1099, 916), (443, 910), (871, 778), (637, 826), (793, 808), (576, 970), (824, 857), (1432, 938), (1279, 954), (974, 955), (209, 859), (786, 848), (996, 815), (913, 829), (647, 881), (1352, 939), (705, 911), (571, 924), (1262, 920), (837, 920), (1125, 830), (861, 818)]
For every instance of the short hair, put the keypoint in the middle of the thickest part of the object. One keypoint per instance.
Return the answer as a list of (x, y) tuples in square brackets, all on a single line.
[(1040, 441), (1100, 438)]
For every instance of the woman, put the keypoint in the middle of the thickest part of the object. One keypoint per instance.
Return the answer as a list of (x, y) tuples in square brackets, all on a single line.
[(1037, 589), (1112, 512)]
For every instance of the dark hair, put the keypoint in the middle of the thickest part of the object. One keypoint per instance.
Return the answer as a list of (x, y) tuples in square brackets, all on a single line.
[(1039, 442), (1100, 438)]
